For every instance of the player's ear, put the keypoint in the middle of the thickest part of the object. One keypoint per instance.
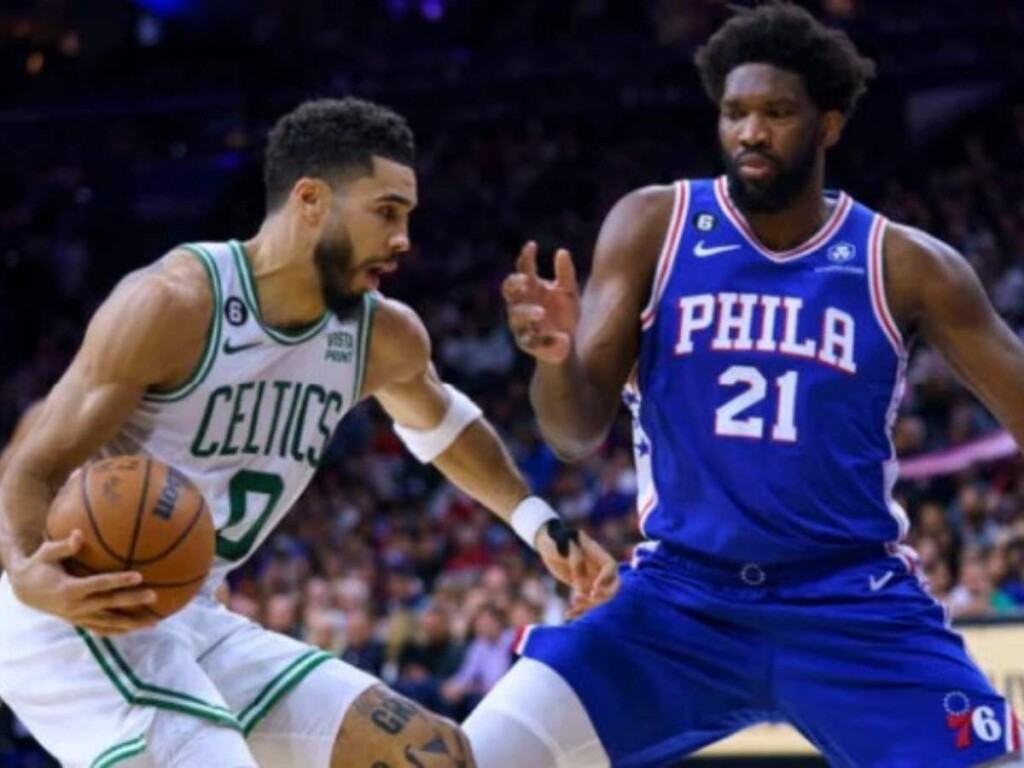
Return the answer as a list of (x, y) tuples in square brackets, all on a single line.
[(313, 198), (832, 123)]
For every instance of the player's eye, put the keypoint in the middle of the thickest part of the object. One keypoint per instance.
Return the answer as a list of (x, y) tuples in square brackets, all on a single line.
[(388, 213)]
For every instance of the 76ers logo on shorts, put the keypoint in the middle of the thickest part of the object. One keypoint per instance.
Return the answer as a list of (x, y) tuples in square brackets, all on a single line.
[(969, 721)]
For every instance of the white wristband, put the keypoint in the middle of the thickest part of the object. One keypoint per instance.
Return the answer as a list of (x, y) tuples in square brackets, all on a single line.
[(427, 444), (528, 518)]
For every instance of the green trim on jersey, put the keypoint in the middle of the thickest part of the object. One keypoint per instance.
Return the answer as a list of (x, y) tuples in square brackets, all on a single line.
[(253, 301), (365, 329), (212, 335), (136, 692), (120, 752), (281, 684)]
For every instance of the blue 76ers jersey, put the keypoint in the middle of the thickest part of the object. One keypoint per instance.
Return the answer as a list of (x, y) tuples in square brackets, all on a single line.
[(766, 387)]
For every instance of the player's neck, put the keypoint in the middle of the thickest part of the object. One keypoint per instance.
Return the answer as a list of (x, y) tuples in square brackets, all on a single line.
[(790, 228), (287, 285)]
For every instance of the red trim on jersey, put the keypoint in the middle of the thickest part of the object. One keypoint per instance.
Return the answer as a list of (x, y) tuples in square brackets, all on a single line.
[(876, 267), (1014, 729), (667, 257), (522, 635), (645, 511), (899, 551), (843, 206)]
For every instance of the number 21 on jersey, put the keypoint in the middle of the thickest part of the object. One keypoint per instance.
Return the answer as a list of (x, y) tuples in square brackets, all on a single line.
[(730, 418)]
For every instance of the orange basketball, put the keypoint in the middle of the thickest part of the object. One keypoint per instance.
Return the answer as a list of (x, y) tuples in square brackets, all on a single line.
[(137, 513)]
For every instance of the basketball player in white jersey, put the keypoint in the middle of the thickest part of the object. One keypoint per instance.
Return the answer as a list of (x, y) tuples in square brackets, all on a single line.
[(233, 362)]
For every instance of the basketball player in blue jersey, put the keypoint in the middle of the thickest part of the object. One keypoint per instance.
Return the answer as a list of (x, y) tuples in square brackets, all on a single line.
[(758, 327), (234, 362)]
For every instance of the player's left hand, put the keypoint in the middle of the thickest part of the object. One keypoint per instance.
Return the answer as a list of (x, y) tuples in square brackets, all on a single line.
[(574, 558)]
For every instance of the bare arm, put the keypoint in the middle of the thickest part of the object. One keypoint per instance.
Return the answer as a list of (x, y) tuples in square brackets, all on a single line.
[(408, 388), (583, 365), (933, 290), (402, 378), (22, 428), (140, 337)]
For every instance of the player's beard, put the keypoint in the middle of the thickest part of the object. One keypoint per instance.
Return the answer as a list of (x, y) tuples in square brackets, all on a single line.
[(334, 261), (776, 193)]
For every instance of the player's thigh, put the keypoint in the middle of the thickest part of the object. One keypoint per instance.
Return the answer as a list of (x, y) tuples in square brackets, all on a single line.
[(661, 670), (303, 727), (383, 728), (290, 698), (891, 685), (92, 701)]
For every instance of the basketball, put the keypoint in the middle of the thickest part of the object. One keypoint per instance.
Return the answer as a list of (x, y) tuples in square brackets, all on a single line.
[(137, 513)]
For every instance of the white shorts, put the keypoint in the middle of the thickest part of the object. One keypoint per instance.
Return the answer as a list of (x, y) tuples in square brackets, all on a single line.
[(92, 701)]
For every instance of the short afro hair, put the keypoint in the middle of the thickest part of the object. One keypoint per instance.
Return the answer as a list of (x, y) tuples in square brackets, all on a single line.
[(329, 138), (788, 37)]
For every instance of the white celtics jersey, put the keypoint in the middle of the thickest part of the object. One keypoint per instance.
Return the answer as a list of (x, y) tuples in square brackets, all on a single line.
[(251, 424)]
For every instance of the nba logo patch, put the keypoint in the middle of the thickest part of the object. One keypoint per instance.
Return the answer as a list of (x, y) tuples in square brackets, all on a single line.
[(840, 253)]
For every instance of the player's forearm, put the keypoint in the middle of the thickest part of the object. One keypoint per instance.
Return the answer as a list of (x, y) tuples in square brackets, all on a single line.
[(24, 503), (477, 463), (573, 418)]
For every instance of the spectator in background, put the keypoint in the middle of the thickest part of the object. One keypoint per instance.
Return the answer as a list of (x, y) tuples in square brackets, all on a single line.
[(431, 657), (325, 630), (487, 658), (1014, 584), (282, 613), (977, 529), (362, 649), (933, 524), (975, 596)]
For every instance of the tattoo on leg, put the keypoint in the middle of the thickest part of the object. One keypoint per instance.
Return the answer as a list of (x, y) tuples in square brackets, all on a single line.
[(390, 713), (438, 746)]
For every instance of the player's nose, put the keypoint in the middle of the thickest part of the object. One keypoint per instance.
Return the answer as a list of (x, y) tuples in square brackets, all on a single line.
[(399, 242), (754, 131)]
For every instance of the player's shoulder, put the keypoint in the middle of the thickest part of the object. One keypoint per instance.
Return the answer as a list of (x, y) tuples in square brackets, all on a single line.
[(155, 321), (399, 341), (652, 204), (176, 287), (913, 243), (920, 269), (635, 227), (916, 255)]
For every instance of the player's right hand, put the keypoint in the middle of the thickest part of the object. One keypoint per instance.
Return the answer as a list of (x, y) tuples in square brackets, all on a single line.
[(543, 314), (583, 564), (106, 604)]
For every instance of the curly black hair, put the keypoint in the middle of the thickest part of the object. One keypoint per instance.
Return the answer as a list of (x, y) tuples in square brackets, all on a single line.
[(329, 138), (789, 37)]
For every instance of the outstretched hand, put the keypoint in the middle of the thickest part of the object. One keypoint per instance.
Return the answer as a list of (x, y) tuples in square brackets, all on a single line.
[(586, 567), (543, 314)]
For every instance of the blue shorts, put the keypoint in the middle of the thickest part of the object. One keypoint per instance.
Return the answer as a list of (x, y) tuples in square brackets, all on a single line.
[(859, 659)]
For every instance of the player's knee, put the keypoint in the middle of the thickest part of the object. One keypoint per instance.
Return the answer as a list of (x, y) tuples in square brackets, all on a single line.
[(533, 717), (383, 728), (499, 741)]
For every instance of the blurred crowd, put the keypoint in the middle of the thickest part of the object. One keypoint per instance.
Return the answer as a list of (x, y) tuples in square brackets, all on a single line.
[(111, 158)]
